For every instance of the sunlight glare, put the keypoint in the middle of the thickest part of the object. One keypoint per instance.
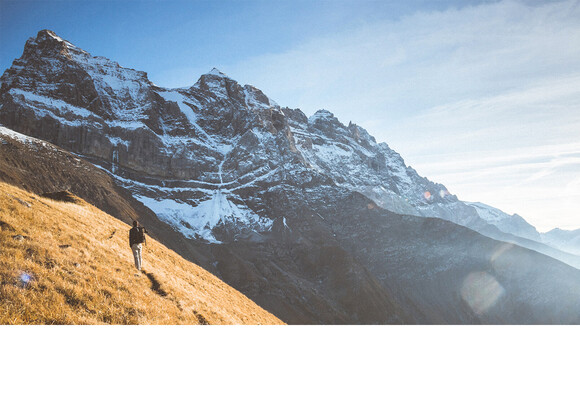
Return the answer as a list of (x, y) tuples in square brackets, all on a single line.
[(481, 291), (500, 251)]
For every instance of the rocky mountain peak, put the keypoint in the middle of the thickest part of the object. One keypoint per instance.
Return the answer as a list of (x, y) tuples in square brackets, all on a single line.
[(48, 43), (219, 84), (326, 122), (322, 115), (48, 35), (214, 71), (296, 115)]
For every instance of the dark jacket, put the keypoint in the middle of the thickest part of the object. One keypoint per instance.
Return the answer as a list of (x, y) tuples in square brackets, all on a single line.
[(135, 236)]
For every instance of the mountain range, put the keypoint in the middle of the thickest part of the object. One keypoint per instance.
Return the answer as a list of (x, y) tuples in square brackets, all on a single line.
[(309, 217)]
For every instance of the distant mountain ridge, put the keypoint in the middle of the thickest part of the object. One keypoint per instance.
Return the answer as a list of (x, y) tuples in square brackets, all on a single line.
[(248, 183), (568, 241), (514, 224)]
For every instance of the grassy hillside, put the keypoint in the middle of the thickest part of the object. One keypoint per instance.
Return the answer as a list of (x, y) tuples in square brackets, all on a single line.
[(38, 166), (70, 263)]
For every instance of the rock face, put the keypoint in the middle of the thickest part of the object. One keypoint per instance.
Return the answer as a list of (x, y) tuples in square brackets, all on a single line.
[(293, 211)]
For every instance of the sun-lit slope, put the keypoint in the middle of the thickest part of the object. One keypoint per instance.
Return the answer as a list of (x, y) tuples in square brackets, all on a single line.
[(70, 263)]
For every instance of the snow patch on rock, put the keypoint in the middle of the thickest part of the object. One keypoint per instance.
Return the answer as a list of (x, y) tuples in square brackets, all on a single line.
[(200, 220), (25, 139)]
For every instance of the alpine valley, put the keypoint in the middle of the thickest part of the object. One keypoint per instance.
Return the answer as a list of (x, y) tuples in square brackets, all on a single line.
[(310, 218)]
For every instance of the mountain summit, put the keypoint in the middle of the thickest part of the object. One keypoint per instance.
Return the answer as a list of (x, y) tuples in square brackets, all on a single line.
[(309, 217)]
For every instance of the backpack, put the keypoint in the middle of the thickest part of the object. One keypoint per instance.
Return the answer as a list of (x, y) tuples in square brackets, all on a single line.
[(141, 234)]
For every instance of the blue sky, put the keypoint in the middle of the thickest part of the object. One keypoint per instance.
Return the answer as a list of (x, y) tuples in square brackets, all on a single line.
[(164, 36), (482, 96)]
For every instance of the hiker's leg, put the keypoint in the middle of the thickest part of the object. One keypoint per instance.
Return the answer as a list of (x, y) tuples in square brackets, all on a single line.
[(137, 255), (134, 250), (140, 253)]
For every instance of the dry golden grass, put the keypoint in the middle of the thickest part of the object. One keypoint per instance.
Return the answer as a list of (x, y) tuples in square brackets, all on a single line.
[(67, 263)]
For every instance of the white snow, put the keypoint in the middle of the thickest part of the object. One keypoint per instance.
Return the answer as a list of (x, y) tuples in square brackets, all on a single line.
[(51, 34), (215, 71), (285, 224), (202, 186), (201, 219), (253, 102), (216, 83), (320, 114), (58, 38), (263, 177), (177, 97), (7, 132), (115, 141), (130, 125), (124, 89), (48, 103), (211, 141), (488, 213), (115, 161)]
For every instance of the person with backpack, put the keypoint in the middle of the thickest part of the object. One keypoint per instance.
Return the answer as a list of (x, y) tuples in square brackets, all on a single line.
[(136, 241)]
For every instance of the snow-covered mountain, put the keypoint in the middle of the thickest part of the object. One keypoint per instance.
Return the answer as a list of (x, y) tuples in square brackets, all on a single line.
[(560, 244), (513, 224), (215, 138), (250, 183), (568, 241)]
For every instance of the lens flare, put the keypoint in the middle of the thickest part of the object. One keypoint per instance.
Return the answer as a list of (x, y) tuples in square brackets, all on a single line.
[(481, 291), (25, 278), (500, 250)]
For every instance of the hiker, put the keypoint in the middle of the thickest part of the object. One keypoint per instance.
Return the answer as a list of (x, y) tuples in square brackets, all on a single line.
[(136, 241)]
